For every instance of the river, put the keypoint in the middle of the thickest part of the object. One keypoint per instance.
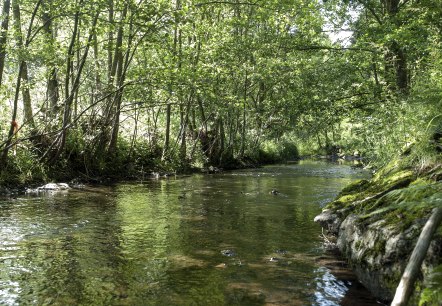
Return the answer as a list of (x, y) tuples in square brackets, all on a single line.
[(221, 239)]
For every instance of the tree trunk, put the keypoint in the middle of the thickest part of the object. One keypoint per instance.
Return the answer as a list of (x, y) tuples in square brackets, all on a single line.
[(396, 57), (167, 132), (119, 67), (13, 127), (110, 41), (71, 93), (68, 93), (222, 137), (135, 132), (243, 131), (4, 156), (176, 35), (4, 35), (27, 105), (52, 93)]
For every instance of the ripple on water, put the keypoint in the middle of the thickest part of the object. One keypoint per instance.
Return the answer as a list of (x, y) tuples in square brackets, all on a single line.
[(227, 241)]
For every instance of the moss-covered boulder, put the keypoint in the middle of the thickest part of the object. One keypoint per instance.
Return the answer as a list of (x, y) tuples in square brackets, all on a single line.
[(377, 223)]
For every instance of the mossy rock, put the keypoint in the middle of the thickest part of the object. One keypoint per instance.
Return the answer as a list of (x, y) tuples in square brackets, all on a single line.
[(355, 187), (397, 180), (353, 192), (368, 192), (404, 207), (394, 205)]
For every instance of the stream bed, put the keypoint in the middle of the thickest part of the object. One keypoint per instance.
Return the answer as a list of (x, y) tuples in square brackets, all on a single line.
[(221, 239)]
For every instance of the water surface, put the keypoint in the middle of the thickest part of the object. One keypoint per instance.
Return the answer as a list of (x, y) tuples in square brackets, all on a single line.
[(220, 239)]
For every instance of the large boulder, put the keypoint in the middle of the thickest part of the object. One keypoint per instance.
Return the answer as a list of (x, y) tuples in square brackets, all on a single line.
[(377, 224)]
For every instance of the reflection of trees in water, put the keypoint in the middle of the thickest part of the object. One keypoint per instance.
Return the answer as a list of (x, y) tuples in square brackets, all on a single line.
[(68, 254), (134, 243)]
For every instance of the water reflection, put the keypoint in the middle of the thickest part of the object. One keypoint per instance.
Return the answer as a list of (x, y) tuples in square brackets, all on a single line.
[(200, 240)]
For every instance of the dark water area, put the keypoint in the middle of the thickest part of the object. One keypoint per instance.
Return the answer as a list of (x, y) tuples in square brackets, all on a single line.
[(221, 239)]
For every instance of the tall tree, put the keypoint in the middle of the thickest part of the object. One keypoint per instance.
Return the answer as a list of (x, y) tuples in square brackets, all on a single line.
[(52, 90), (27, 105), (4, 36)]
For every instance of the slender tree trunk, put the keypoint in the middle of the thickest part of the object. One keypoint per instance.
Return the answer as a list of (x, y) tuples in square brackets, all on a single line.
[(97, 88), (27, 105), (52, 91), (167, 132), (4, 156), (110, 71), (396, 58), (13, 128), (68, 93), (222, 137), (166, 147), (69, 63), (110, 41), (71, 93), (119, 67), (318, 137), (244, 122), (3, 36), (185, 124), (135, 132), (202, 113), (78, 61)]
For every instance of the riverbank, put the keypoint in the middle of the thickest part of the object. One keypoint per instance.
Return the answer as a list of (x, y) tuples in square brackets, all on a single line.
[(26, 170), (376, 223)]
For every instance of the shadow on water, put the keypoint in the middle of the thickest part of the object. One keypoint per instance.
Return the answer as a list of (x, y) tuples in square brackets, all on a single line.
[(225, 239)]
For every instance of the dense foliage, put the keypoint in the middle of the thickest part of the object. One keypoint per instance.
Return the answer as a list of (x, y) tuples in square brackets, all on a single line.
[(112, 87)]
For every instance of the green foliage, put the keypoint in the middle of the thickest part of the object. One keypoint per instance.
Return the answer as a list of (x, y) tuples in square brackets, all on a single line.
[(23, 168), (432, 295), (256, 79), (278, 151)]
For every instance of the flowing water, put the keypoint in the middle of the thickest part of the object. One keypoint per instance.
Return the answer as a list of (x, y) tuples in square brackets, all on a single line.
[(221, 239)]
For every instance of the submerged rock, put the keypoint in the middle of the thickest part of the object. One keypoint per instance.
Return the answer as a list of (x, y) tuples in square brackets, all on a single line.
[(50, 187), (229, 253), (221, 266), (329, 221), (274, 192)]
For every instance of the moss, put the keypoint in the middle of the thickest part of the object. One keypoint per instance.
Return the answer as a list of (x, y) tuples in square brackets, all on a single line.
[(355, 187), (379, 246), (404, 207), (391, 280), (431, 294), (397, 180), (400, 175), (377, 249), (347, 199), (335, 205), (421, 181), (387, 170), (436, 176)]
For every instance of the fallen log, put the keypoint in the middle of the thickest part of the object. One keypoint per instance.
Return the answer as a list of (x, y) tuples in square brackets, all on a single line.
[(411, 272)]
